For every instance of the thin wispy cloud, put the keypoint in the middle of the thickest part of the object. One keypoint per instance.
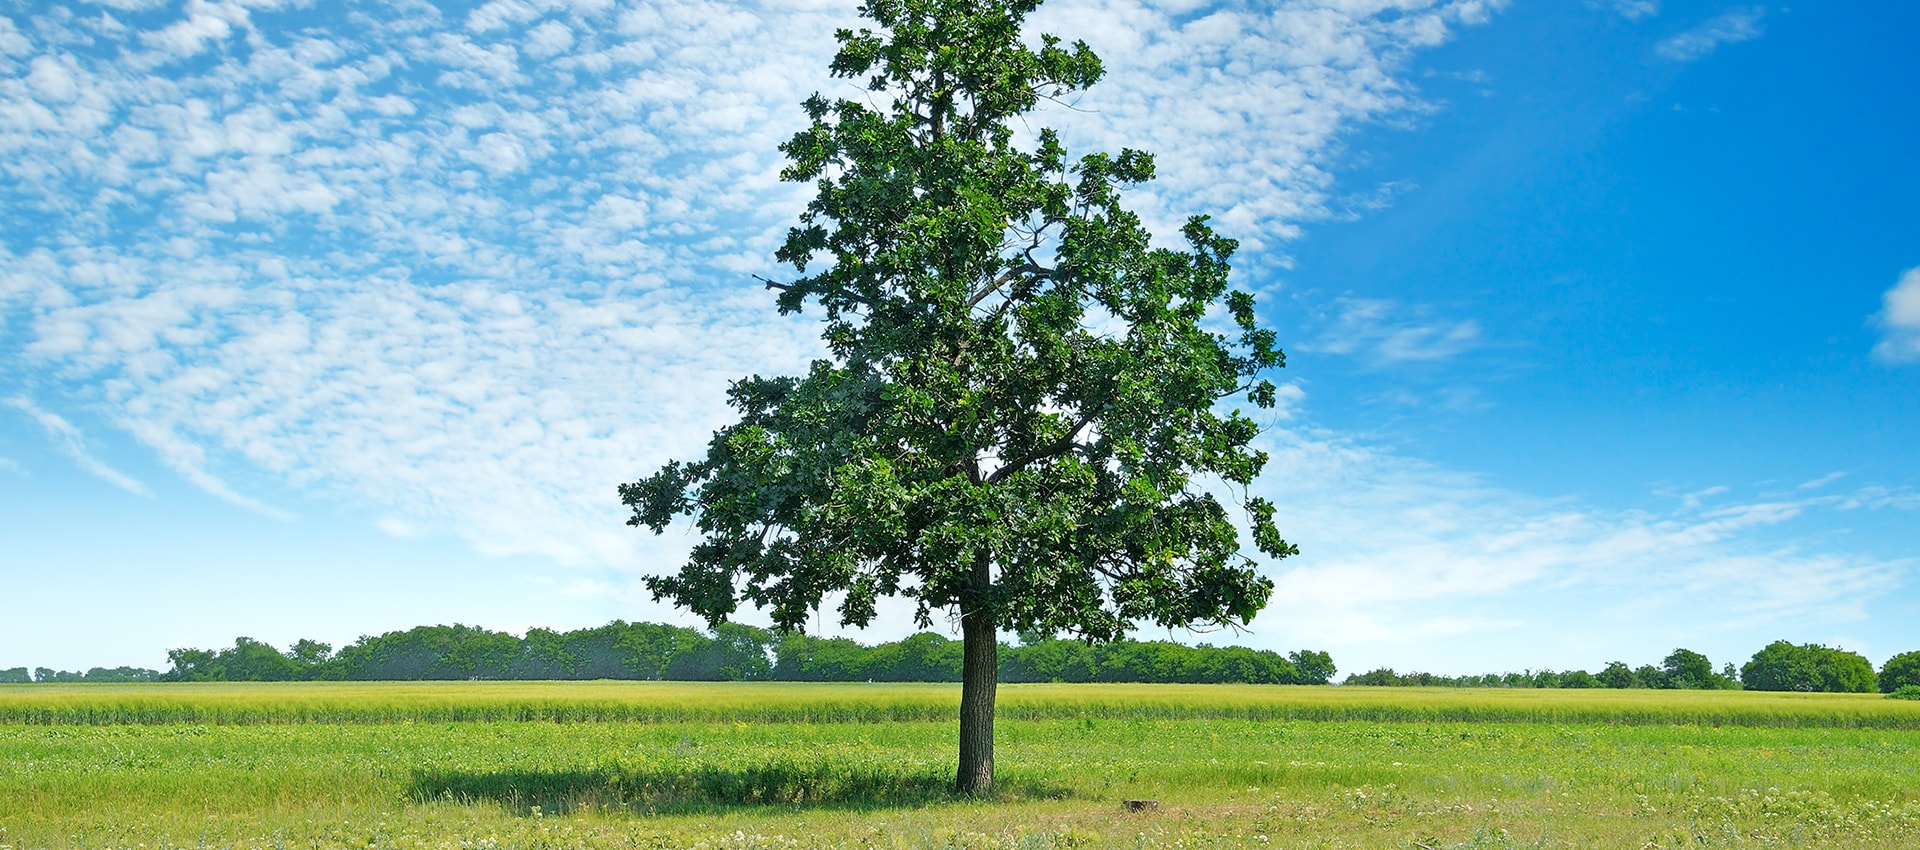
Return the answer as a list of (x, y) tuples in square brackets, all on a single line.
[(1899, 320), (1730, 27), (69, 440), (1632, 10), (1384, 333)]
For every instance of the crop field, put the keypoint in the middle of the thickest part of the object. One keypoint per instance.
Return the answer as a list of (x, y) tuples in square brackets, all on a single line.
[(636, 764)]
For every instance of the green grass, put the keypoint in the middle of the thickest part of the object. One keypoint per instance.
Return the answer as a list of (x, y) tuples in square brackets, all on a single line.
[(786, 702), (385, 766)]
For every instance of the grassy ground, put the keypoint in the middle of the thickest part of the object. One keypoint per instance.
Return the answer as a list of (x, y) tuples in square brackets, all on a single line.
[(1228, 765)]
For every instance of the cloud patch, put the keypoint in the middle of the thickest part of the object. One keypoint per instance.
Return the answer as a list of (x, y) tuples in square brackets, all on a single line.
[(1383, 333), (1899, 320), (1396, 551), (1730, 27), (1632, 10)]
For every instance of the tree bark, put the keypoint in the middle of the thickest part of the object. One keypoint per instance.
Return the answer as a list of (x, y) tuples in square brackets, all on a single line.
[(979, 680)]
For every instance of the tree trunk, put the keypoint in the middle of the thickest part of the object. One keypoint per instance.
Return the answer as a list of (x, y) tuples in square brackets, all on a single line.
[(979, 680)]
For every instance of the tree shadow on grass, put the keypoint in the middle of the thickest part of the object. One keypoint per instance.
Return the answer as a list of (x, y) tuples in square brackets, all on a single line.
[(707, 788)]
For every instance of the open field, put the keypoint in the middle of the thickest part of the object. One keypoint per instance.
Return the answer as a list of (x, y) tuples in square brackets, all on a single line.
[(460, 765)]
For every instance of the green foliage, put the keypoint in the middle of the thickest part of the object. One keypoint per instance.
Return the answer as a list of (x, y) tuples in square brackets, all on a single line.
[(1684, 670), (1386, 677), (1900, 671), (107, 675), (1580, 679), (1783, 666), (1158, 661), (15, 676), (734, 652), (1022, 396), (1690, 670), (1905, 692), (1617, 675)]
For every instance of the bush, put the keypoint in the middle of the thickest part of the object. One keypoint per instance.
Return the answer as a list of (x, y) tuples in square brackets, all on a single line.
[(1901, 671), (1905, 692)]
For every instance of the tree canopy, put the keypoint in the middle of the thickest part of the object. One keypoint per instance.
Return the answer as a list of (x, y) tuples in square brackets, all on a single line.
[(1020, 419), (1783, 666)]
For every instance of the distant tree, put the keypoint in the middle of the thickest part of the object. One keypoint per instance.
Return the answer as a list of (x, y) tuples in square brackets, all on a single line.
[(1900, 671), (250, 660), (311, 653), (1616, 675), (1017, 439), (1382, 676), (1782, 666), (120, 675), (430, 652), (1690, 670), (189, 665), (1315, 668), (736, 652), (1649, 676), (1579, 679), (15, 676), (1687, 669)]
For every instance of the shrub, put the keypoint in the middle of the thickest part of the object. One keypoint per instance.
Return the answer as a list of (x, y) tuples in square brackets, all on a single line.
[(1905, 692)]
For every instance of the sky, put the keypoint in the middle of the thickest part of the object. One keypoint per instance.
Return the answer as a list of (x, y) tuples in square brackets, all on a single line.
[(327, 319)]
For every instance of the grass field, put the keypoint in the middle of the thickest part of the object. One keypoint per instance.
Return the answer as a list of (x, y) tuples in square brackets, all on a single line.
[(605, 764)]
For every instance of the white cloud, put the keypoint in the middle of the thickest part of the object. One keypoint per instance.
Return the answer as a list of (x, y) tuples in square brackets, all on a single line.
[(1632, 10), (1822, 481), (1730, 27), (549, 39), (1396, 551), (1384, 333), (70, 441), (1899, 320), (11, 465)]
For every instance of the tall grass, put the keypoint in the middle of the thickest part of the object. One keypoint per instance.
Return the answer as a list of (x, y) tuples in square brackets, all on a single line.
[(767, 702)]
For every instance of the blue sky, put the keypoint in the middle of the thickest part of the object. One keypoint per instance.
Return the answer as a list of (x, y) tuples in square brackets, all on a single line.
[(326, 319)]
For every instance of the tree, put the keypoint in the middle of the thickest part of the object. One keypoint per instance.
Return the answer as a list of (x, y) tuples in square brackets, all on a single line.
[(1782, 666), (311, 653), (1315, 668), (1021, 401), (1685, 668), (1616, 675), (1899, 671)]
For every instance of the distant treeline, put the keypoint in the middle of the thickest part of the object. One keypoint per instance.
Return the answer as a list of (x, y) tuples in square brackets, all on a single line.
[(621, 650), (19, 675), (731, 652), (1780, 666)]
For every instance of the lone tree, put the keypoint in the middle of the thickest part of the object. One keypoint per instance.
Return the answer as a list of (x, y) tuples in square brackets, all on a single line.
[(1019, 421)]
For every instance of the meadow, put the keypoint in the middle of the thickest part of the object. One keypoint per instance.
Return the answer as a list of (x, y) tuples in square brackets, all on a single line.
[(644, 764)]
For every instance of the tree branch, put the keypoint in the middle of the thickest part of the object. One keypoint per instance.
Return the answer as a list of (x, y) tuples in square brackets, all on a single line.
[(1053, 449)]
